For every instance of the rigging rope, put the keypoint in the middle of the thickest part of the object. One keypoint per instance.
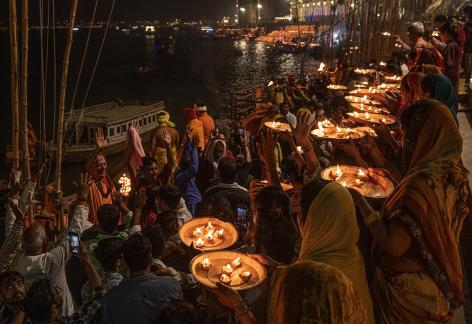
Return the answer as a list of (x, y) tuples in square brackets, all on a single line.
[(83, 56)]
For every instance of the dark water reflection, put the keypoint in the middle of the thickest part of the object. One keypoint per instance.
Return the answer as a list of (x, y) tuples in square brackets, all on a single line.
[(206, 69)]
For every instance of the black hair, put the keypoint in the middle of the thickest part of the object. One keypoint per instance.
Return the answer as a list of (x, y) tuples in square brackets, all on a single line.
[(108, 251), (171, 195), (7, 277), (147, 161), (441, 18), (108, 216), (137, 252), (468, 9), (274, 233), (227, 170), (309, 193), (449, 29), (428, 84), (165, 220), (156, 237), (39, 301)]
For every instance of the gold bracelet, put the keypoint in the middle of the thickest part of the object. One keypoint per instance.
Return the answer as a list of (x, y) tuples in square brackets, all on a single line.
[(371, 218)]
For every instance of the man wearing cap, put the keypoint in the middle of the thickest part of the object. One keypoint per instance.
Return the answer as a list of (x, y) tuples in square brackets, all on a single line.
[(157, 146), (207, 121)]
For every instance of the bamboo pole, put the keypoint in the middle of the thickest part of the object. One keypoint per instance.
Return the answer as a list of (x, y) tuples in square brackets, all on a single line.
[(62, 99), (24, 88), (15, 138)]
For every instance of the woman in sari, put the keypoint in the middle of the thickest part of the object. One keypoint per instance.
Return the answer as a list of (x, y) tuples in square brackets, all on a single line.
[(305, 292), (418, 277), (440, 88), (330, 235)]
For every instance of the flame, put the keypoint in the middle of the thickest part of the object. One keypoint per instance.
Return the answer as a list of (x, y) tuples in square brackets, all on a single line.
[(361, 173), (206, 262), (322, 67), (228, 268), (198, 231), (209, 235), (210, 227), (236, 262), (125, 185), (356, 114), (386, 34), (200, 242), (299, 149), (270, 83), (220, 232), (338, 130), (366, 115), (384, 120), (383, 64), (338, 173)]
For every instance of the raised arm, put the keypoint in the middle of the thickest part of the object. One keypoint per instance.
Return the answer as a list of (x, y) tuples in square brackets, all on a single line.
[(266, 149), (8, 250), (302, 135)]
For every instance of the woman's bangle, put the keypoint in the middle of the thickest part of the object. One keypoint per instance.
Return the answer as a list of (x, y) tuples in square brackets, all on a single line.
[(371, 218)]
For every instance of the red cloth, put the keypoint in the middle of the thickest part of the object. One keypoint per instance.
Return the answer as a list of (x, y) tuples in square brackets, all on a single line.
[(138, 152), (190, 113)]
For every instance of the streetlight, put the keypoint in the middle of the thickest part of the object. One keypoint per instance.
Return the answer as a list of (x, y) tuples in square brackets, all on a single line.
[(259, 6), (242, 9)]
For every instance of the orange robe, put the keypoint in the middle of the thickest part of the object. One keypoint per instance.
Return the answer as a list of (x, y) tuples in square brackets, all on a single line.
[(96, 199), (208, 126), (197, 129)]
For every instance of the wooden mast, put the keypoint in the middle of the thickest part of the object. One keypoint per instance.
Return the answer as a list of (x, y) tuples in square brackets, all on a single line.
[(62, 99), (15, 138), (24, 88)]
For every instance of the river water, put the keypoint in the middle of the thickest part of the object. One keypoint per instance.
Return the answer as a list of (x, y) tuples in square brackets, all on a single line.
[(199, 68)]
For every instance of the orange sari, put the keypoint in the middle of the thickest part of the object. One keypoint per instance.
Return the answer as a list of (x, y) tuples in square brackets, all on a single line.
[(432, 202)]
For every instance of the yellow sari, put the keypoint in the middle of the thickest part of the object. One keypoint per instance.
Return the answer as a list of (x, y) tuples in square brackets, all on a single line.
[(432, 203), (330, 236), (313, 293)]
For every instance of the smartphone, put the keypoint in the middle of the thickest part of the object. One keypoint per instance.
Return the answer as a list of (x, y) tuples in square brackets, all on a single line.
[(74, 243), (241, 216)]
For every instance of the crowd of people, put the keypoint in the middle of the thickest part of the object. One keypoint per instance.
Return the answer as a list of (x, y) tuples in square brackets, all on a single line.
[(332, 255)]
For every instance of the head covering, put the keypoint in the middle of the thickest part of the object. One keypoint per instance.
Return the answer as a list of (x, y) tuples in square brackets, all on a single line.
[(163, 118), (413, 81), (445, 93), (435, 192), (190, 113), (211, 150), (312, 292), (330, 236), (200, 109)]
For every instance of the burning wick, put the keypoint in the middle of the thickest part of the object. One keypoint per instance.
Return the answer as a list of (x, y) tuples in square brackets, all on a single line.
[(275, 124), (270, 83), (383, 64), (199, 243), (228, 269), (219, 233), (338, 130), (206, 264), (198, 231), (366, 115), (225, 278), (245, 276), (210, 227), (359, 182), (210, 235), (338, 173), (236, 262), (384, 120), (356, 114), (386, 34), (322, 67), (362, 175), (125, 183)]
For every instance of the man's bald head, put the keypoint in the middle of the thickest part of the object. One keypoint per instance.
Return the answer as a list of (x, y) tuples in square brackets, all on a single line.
[(34, 239)]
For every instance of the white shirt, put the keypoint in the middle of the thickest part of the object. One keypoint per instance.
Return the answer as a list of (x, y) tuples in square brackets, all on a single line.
[(292, 119), (52, 263)]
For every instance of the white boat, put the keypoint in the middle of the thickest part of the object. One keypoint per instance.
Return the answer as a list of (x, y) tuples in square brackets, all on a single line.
[(115, 119)]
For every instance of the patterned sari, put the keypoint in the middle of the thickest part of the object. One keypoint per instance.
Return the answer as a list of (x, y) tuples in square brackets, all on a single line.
[(432, 202)]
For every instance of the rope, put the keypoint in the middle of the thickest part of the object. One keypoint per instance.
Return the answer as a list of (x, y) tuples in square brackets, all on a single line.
[(99, 52), (96, 64), (83, 56), (42, 128)]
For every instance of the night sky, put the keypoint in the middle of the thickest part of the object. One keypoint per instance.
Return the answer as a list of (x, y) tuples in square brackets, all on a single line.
[(135, 9)]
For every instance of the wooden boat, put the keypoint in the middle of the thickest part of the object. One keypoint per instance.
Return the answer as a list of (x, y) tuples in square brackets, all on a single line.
[(115, 119)]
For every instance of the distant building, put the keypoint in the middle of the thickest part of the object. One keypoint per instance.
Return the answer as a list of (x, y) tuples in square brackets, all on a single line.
[(252, 12), (315, 11)]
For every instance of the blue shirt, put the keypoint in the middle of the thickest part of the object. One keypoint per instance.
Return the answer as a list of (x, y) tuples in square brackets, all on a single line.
[(185, 179), (138, 299)]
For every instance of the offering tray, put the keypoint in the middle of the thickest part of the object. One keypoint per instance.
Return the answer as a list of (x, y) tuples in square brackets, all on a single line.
[(197, 230), (393, 78), (368, 131), (336, 87), (278, 126), (389, 86), (356, 178), (370, 109), (285, 186), (364, 71), (366, 92), (338, 134), (371, 118), (208, 268), (364, 100)]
